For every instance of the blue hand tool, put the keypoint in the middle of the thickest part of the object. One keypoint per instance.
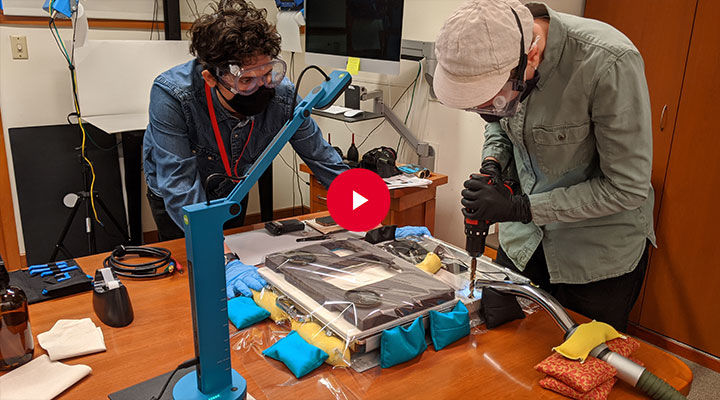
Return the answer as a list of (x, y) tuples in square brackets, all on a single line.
[(35, 269), (62, 276), (214, 377), (64, 269)]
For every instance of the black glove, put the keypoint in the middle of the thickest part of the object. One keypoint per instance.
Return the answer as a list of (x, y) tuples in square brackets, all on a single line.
[(492, 169), (494, 202)]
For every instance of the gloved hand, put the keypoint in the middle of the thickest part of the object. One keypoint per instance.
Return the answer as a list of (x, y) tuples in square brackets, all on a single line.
[(484, 201), (240, 278), (403, 231), (491, 168)]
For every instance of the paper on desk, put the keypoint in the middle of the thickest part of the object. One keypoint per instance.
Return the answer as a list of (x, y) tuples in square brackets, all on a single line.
[(406, 180), (251, 247), (336, 110)]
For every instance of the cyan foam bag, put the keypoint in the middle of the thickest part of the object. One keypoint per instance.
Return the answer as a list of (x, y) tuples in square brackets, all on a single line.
[(243, 312), (446, 328), (298, 355), (401, 344)]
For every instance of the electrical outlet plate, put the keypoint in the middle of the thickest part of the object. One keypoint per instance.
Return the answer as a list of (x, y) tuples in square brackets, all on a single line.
[(18, 45)]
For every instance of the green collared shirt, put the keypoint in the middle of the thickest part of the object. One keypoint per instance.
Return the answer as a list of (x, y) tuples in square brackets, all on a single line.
[(581, 146)]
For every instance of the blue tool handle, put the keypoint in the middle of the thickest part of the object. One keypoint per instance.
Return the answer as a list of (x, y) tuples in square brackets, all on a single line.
[(63, 269), (63, 277), (45, 267)]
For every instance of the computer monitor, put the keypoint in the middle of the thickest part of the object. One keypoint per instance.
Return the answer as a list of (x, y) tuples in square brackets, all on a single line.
[(370, 30)]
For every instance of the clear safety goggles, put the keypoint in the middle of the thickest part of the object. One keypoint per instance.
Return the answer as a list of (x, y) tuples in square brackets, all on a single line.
[(505, 103), (246, 81)]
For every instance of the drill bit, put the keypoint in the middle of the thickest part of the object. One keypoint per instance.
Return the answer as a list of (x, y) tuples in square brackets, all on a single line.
[(473, 267)]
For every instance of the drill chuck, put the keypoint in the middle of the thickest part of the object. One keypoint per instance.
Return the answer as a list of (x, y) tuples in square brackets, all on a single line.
[(475, 232)]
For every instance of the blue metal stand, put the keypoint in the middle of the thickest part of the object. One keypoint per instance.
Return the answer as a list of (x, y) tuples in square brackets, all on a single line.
[(204, 244), (186, 389)]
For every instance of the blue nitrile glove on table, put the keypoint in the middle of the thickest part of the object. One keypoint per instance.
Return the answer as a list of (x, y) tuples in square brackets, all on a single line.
[(240, 278), (403, 231), (390, 232)]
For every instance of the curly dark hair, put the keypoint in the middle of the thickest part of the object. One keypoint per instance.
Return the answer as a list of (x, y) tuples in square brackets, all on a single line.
[(235, 32)]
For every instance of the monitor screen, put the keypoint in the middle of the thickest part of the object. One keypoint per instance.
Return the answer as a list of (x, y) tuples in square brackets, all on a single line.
[(367, 29)]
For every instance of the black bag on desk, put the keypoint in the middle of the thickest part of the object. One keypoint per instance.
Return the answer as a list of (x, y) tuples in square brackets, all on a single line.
[(40, 288)]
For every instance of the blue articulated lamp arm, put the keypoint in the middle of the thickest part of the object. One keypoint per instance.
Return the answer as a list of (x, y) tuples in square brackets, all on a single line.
[(204, 244)]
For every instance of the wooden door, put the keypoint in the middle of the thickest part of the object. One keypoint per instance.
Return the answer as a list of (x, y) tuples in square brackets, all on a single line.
[(661, 30), (684, 272), (8, 236)]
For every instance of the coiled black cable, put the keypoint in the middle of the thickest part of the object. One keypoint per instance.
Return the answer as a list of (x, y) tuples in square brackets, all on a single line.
[(145, 270)]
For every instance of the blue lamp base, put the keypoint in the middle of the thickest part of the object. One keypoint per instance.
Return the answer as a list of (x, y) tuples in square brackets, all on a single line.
[(186, 389)]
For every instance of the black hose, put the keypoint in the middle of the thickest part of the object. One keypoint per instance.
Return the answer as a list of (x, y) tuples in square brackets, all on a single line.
[(143, 270), (657, 388)]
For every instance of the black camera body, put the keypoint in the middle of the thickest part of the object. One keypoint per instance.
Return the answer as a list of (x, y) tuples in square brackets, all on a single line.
[(381, 160)]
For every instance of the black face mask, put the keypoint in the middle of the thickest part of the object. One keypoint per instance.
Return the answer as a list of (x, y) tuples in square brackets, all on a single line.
[(252, 104), (529, 86)]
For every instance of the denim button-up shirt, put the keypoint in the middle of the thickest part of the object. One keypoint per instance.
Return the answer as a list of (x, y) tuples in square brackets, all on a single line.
[(179, 148), (581, 146)]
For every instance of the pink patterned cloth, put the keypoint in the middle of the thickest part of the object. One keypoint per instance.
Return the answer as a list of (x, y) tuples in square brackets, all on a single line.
[(582, 377), (600, 392), (591, 380)]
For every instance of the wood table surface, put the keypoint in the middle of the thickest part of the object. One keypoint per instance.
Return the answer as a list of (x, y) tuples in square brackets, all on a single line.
[(489, 364)]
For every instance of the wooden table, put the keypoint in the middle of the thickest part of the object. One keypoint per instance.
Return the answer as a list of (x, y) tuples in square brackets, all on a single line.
[(487, 364), (408, 206)]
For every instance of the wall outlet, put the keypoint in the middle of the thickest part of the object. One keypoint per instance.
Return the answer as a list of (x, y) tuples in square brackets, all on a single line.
[(19, 47)]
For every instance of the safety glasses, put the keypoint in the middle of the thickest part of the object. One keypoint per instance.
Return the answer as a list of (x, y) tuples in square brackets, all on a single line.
[(246, 81), (505, 103)]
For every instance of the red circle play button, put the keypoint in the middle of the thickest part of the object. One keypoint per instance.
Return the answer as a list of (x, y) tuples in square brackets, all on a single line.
[(358, 200)]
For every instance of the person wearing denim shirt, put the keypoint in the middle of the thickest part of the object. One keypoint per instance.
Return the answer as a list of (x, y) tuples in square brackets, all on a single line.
[(568, 115), (236, 66)]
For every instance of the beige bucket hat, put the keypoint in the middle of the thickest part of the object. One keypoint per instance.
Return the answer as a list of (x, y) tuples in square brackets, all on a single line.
[(477, 48)]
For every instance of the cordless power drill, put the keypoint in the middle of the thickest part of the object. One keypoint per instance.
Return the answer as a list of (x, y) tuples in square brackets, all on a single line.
[(476, 233)]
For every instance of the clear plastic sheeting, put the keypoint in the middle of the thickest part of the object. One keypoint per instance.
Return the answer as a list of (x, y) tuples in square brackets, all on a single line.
[(454, 260), (367, 285), (326, 382), (270, 379), (455, 269)]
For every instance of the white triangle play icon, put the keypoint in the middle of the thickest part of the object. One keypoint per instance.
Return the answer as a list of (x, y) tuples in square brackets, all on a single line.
[(358, 200)]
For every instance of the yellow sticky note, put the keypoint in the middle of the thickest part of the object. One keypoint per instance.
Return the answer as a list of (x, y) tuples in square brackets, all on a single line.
[(353, 65)]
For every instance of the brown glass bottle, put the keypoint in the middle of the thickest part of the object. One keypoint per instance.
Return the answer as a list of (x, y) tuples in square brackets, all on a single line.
[(16, 340)]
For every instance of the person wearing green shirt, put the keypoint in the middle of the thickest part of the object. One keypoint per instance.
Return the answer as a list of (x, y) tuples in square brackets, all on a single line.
[(567, 115)]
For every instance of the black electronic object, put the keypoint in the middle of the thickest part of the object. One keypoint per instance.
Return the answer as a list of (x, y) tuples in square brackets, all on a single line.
[(111, 301), (281, 227), (326, 221), (381, 160), (351, 28), (352, 97)]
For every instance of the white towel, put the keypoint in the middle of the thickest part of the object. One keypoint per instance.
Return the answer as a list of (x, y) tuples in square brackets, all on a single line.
[(40, 379), (71, 338)]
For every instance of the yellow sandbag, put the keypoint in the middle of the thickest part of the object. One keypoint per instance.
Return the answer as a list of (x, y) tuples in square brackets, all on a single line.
[(431, 264), (266, 299), (339, 356), (585, 338)]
